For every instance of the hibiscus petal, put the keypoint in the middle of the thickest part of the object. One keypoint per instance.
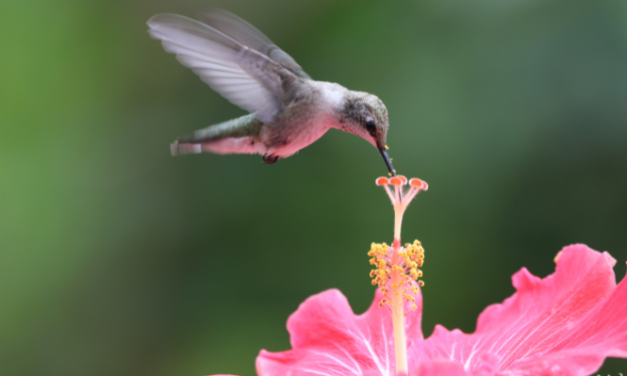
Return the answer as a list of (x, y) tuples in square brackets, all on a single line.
[(440, 368), (329, 339), (544, 311), (605, 328), (564, 324), (602, 333)]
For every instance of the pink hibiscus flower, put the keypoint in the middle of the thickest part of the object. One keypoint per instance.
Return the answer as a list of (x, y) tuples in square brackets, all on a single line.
[(564, 324)]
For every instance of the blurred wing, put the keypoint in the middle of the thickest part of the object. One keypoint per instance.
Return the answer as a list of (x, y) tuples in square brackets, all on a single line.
[(248, 35), (244, 76)]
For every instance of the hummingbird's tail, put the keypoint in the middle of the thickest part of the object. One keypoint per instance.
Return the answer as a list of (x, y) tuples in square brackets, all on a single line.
[(234, 136), (177, 148)]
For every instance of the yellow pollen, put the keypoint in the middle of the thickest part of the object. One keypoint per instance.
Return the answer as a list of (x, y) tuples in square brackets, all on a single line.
[(396, 271)]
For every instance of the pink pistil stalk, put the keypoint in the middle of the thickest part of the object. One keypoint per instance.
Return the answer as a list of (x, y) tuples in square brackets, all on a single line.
[(397, 270)]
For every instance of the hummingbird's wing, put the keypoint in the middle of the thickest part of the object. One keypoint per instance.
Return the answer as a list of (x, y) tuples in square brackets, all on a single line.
[(248, 35), (244, 76)]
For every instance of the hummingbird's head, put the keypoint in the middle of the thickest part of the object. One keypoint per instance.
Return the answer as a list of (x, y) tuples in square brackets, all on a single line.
[(365, 115)]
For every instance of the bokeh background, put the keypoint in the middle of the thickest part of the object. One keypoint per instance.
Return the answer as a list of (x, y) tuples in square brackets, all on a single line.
[(117, 259)]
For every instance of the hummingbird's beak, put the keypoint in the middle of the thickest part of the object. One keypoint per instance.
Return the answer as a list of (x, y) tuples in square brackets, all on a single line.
[(388, 162)]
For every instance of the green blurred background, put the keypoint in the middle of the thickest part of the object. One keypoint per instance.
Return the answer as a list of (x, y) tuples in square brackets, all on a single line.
[(117, 259)]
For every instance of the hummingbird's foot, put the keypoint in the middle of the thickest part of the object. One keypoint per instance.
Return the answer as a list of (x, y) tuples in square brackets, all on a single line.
[(270, 159)]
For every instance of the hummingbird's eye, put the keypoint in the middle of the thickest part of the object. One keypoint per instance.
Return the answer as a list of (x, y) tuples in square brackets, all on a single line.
[(371, 127)]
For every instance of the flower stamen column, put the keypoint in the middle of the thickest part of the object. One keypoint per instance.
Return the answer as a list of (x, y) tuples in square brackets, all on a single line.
[(397, 270)]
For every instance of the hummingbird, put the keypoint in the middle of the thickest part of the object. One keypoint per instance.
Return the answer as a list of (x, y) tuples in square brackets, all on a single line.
[(288, 109)]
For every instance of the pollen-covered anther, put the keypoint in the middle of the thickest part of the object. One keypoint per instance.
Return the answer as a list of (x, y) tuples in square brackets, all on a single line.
[(413, 273), (396, 270), (378, 254)]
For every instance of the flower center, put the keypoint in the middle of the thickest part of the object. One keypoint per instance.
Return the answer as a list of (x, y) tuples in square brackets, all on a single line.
[(397, 273)]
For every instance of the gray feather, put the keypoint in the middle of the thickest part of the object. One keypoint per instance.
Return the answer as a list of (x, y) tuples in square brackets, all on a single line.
[(244, 76), (199, 141), (248, 35)]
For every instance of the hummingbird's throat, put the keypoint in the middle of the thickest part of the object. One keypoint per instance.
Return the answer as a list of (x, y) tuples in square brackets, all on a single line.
[(396, 269)]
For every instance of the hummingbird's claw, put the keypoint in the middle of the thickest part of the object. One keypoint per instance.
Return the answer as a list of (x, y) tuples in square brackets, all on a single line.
[(270, 159), (388, 161)]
